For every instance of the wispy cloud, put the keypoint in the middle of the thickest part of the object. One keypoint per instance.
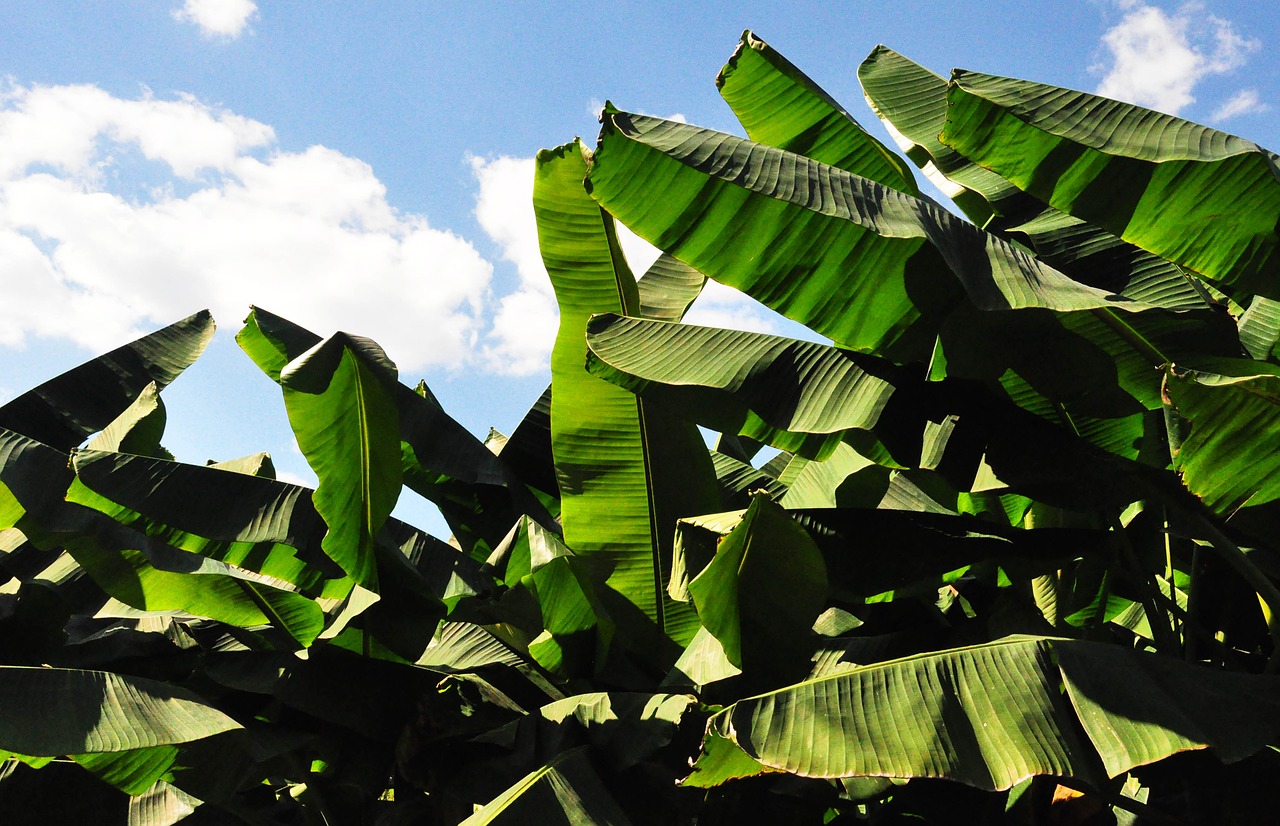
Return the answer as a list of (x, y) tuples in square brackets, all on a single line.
[(1156, 59), (1244, 102), (118, 216), (217, 18)]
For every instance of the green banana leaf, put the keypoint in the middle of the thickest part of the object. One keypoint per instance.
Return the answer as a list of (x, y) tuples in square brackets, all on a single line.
[(339, 399), (1259, 327), (738, 480), (668, 288), (65, 410), (260, 525), (780, 106), (992, 715), (192, 584), (58, 711), (853, 260), (626, 469), (478, 494), (1200, 198), (912, 102), (132, 772), (565, 791), (161, 805)]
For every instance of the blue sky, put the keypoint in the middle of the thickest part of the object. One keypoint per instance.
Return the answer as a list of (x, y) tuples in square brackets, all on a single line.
[(367, 166)]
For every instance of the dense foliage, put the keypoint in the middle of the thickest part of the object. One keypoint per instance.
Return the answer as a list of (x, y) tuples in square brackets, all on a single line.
[(1015, 559)]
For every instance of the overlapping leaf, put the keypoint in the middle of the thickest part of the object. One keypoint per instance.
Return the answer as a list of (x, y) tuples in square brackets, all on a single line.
[(1198, 197)]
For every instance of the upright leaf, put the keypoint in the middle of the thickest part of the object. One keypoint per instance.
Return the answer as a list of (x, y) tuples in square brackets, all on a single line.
[(339, 399), (626, 470), (780, 106)]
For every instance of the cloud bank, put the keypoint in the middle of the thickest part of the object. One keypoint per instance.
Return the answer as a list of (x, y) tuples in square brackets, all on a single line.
[(117, 216), (1157, 59)]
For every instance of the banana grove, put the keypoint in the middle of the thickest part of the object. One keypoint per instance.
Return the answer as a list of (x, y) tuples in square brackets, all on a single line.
[(1006, 550)]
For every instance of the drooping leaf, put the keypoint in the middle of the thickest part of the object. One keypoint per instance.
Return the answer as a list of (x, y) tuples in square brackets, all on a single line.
[(780, 106), (62, 412), (992, 715), (59, 711), (258, 524), (193, 584), (1203, 199), (1260, 327), (626, 469), (339, 399)]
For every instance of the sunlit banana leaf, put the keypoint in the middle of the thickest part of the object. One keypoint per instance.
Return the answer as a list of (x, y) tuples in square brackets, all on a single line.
[(62, 412), (912, 101), (626, 469), (1200, 198), (133, 771), (192, 584), (162, 805), (477, 493), (851, 259), (991, 715), (1260, 327), (261, 525), (780, 106), (59, 711), (339, 399)]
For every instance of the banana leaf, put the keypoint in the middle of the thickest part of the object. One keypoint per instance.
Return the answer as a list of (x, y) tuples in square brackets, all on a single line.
[(338, 396), (478, 494), (58, 711), (912, 102), (566, 791), (992, 715), (626, 469), (1203, 199), (780, 106), (65, 410)]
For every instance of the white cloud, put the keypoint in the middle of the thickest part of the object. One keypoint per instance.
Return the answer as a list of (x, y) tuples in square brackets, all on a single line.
[(233, 222), (524, 325), (1244, 102), (217, 18), (1157, 59)]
